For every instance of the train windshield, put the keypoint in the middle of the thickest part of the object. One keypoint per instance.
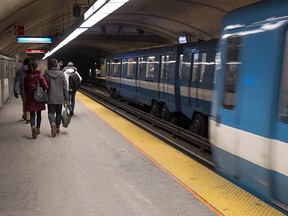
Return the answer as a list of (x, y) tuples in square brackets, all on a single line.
[(283, 98)]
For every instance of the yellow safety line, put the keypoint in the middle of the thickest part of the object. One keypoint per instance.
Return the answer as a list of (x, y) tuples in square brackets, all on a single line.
[(210, 188)]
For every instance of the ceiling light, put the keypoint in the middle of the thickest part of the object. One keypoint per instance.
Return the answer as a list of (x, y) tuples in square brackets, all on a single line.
[(71, 37)]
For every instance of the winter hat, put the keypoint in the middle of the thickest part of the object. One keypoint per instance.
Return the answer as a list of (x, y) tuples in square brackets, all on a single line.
[(26, 61)]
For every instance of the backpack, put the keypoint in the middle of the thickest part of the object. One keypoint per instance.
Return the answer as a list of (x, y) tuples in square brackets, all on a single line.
[(74, 82)]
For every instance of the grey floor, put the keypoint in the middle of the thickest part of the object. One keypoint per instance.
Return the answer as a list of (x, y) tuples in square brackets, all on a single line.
[(86, 170)]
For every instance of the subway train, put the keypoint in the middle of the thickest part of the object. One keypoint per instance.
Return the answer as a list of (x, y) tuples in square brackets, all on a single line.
[(236, 86), (248, 126), (175, 82)]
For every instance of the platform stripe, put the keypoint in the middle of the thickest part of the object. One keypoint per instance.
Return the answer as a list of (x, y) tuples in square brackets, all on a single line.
[(220, 195)]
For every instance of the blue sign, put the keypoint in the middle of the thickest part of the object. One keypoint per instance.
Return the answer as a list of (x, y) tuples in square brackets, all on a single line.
[(34, 40)]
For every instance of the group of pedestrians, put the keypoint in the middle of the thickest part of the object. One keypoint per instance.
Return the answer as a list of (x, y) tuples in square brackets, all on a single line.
[(56, 82)]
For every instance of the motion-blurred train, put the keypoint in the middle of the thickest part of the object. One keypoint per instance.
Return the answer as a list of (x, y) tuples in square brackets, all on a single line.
[(248, 96)]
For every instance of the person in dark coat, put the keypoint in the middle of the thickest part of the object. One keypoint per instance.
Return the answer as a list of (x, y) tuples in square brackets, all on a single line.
[(35, 108), (18, 87), (57, 95)]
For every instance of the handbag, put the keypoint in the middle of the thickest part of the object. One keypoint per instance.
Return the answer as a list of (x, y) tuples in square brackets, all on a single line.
[(40, 94), (66, 117)]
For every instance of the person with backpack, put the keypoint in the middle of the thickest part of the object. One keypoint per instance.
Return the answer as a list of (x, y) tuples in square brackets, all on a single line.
[(73, 80)]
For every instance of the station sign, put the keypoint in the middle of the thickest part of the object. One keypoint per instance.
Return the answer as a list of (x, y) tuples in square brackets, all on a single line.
[(34, 51)]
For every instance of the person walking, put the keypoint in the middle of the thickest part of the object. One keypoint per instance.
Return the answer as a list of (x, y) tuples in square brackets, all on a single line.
[(18, 87), (35, 108), (71, 70), (57, 95)]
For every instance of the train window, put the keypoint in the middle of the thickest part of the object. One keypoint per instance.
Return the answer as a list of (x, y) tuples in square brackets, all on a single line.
[(180, 67), (150, 67), (164, 67), (124, 66), (141, 65), (115, 67), (232, 64), (283, 97), (130, 67), (108, 68), (202, 65), (195, 57)]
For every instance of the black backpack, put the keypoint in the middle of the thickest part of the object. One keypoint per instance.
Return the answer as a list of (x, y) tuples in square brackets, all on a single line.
[(74, 82)]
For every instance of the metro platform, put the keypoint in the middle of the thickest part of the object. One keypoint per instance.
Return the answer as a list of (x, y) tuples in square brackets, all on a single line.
[(104, 165)]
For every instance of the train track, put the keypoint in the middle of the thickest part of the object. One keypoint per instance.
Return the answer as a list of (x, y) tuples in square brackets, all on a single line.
[(190, 144)]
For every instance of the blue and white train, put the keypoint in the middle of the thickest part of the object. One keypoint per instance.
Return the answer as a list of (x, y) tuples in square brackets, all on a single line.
[(249, 124), (175, 82), (246, 71)]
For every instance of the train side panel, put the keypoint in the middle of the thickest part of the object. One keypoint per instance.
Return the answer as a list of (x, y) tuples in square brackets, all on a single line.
[(144, 77)]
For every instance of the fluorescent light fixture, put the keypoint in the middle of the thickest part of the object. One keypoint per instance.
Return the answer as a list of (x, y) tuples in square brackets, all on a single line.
[(110, 7), (71, 37), (104, 11), (95, 18), (118, 1), (94, 8), (88, 13), (34, 40), (99, 10)]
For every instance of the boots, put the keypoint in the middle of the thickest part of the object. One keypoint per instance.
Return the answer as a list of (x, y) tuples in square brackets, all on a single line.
[(34, 134), (53, 129), (38, 131)]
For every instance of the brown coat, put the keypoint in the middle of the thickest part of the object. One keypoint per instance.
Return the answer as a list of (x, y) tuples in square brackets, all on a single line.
[(29, 85)]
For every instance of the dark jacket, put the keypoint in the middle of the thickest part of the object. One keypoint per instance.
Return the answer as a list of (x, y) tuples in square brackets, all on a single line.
[(29, 85), (19, 80), (57, 92)]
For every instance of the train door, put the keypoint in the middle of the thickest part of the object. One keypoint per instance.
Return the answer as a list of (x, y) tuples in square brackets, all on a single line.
[(280, 142), (163, 85), (114, 78), (224, 135), (128, 81), (140, 69), (167, 79), (205, 80), (187, 93)]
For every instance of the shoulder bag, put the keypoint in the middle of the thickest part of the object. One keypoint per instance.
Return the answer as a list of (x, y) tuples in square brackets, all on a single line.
[(66, 117), (40, 94)]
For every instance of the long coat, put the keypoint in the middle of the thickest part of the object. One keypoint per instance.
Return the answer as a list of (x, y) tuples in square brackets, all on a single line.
[(30, 82)]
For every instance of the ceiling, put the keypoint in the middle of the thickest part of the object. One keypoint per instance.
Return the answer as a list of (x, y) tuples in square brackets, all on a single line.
[(137, 24)]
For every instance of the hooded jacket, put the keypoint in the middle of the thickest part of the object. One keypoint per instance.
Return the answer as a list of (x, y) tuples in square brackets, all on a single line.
[(68, 70), (57, 92)]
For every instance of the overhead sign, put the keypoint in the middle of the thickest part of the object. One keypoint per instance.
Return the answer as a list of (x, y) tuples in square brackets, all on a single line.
[(183, 39), (35, 51), (19, 30), (34, 40)]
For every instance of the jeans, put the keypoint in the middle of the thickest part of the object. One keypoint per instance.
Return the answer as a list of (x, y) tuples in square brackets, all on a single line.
[(33, 118), (54, 114), (71, 100)]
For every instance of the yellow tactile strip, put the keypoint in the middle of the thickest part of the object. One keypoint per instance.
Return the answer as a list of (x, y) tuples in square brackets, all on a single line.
[(207, 186)]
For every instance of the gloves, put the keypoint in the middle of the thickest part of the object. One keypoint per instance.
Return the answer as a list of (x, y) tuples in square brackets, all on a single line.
[(16, 94)]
